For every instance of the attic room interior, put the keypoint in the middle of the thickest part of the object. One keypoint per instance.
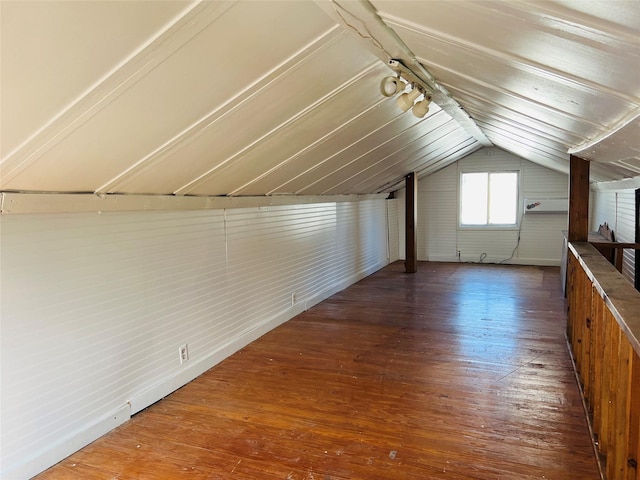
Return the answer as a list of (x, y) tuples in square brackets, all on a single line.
[(320, 239)]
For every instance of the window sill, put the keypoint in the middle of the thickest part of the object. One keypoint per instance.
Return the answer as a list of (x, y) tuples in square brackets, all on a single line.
[(502, 228)]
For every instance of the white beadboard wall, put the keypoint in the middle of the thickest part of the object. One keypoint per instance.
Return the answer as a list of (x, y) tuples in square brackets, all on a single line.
[(393, 229), (437, 215), (617, 208), (95, 306), (439, 236)]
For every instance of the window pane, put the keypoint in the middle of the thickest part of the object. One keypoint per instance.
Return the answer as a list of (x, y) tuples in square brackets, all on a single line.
[(473, 210), (503, 198)]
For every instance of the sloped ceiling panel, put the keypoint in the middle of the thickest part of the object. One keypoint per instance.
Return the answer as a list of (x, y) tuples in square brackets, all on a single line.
[(54, 52), (539, 78), (267, 113), (245, 98), (202, 98)]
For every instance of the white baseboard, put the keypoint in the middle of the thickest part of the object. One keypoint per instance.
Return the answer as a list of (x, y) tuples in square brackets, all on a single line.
[(541, 262), (65, 446)]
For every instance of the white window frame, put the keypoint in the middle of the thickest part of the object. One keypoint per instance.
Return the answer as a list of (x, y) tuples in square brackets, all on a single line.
[(488, 226)]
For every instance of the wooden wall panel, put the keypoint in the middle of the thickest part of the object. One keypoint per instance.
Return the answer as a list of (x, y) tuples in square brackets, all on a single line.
[(618, 465), (411, 223), (578, 200), (605, 358), (634, 419)]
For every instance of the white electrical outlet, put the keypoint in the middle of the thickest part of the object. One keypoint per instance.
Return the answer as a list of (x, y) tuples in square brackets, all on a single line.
[(184, 353)]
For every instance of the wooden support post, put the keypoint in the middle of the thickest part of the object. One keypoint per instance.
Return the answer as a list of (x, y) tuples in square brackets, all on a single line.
[(411, 213), (578, 200), (637, 240), (634, 420)]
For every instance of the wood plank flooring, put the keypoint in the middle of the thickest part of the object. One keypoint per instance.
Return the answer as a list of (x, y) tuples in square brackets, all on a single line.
[(456, 372)]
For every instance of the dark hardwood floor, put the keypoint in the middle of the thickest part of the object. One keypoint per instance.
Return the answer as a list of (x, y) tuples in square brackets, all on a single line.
[(456, 372)]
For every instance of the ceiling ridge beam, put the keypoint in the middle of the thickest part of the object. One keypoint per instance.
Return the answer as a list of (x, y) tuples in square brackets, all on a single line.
[(383, 42)]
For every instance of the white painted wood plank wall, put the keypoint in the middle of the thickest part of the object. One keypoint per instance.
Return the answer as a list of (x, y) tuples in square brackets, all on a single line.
[(439, 236), (394, 229), (617, 208), (95, 306)]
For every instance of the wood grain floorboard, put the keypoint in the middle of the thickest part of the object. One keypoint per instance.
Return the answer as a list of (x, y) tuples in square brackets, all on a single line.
[(457, 372)]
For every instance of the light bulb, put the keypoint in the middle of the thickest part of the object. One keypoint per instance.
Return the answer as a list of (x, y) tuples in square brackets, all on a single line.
[(390, 86), (420, 109), (405, 101)]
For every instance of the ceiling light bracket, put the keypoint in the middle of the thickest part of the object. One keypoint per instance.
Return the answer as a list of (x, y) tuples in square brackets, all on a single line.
[(390, 86), (404, 72)]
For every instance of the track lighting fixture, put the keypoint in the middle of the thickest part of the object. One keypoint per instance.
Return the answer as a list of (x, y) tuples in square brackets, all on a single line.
[(391, 85), (405, 101), (421, 108)]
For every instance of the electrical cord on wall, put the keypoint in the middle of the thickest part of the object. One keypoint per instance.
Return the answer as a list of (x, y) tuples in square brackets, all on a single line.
[(514, 248), (483, 255), (513, 252)]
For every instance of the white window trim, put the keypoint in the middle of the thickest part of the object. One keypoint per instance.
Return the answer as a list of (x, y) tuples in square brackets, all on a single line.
[(484, 228)]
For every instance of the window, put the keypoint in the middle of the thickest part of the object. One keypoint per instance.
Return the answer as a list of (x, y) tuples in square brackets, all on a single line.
[(488, 198)]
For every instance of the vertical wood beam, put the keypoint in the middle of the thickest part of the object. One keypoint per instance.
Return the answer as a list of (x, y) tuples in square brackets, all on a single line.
[(578, 200), (617, 463), (637, 252), (607, 399), (634, 420), (411, 214)]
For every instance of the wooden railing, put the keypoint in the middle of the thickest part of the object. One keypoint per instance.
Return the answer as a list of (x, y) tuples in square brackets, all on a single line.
[(603, 330), (614, 251)]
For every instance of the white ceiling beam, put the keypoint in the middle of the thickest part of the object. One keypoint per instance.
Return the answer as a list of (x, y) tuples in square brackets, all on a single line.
[(21, 203), (361, 19)]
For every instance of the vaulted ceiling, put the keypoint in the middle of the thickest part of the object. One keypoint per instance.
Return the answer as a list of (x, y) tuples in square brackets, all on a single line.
[(280, 97)]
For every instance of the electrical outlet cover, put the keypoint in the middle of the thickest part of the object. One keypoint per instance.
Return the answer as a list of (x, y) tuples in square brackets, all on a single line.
[(184, 353)]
